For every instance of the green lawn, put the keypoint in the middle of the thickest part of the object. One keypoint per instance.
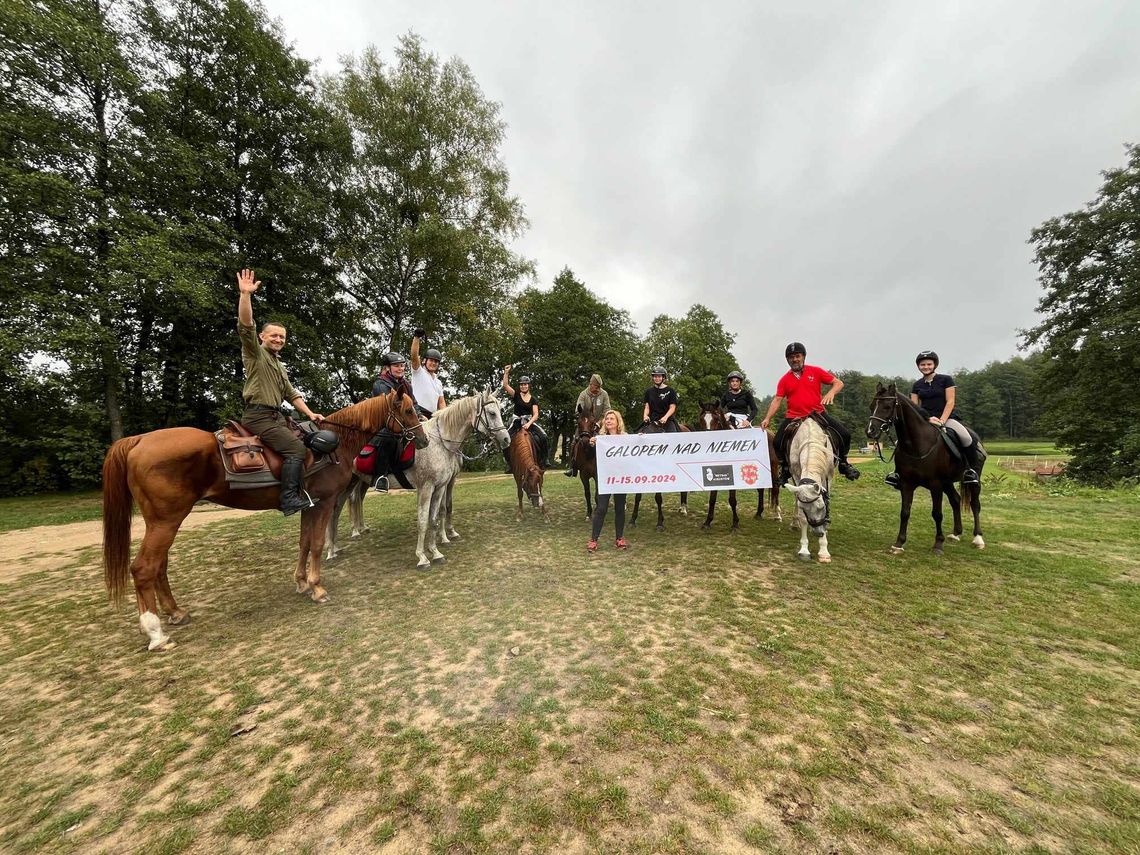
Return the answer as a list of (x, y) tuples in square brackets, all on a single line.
[(1024, 448), (704, 692), (50, 509)]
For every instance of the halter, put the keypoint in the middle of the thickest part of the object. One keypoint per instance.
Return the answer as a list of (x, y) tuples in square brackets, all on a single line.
[(889, 424), (481, 425), (826, 504)]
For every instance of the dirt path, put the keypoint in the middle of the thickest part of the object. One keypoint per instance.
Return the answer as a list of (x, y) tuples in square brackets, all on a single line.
[(30, 550)]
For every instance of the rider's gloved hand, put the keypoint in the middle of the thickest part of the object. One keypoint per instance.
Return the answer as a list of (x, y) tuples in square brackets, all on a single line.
[(419, 332)]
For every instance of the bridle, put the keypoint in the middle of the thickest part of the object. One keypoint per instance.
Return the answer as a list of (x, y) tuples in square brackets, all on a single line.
[(408, 433), (826, 504), (482, 425), (886, 425)]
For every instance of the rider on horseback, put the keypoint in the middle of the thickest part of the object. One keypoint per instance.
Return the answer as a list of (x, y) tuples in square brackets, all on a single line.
[(526, 417), (385, 441), (738, 404), (425, 379), (266, 386), (801, 387), (935, 396), (593, 401), (661, 401)]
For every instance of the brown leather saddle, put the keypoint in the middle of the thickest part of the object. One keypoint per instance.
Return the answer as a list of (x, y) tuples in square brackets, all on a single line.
[(250, 463), (794, 426)]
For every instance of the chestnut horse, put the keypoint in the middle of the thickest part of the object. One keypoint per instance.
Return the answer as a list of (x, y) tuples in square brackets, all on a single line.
[(923, 460), (527, 472), (712, 418), (653, 427), (585, 457), (167, 471)]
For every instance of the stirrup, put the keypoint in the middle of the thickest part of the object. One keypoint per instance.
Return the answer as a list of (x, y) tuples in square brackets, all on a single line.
[(571, 472), (380, 485), (893, 480), (970, 476)]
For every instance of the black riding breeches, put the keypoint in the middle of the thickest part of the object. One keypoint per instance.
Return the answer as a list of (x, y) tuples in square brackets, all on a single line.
[(600, 514), (386, 443)]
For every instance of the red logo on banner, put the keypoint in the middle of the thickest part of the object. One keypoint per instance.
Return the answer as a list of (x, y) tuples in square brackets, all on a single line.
[(749, 472)]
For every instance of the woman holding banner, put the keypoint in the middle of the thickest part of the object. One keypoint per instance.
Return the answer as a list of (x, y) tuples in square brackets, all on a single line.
[(612, 424)]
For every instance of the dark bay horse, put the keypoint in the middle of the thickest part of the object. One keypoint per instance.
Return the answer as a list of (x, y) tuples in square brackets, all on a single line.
[(167, 471), (527, 472), (923, 460), (653, 427), (712, 418), (585, 457)]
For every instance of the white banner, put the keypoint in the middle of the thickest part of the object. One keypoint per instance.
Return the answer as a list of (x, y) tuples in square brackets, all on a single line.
[(680, 462)]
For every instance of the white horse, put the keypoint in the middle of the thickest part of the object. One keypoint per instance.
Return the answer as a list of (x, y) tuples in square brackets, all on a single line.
[(433, 474), (813, 466)]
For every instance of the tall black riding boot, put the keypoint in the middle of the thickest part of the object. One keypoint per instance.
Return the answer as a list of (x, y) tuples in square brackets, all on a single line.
[(973, 464), (293, 495)]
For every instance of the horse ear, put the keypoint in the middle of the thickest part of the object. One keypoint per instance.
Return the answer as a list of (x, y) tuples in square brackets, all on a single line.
[(399, 393), (879, 387), (891, 389)]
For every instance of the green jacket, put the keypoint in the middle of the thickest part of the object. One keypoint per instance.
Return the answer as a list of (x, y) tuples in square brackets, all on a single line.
[(266, 382)]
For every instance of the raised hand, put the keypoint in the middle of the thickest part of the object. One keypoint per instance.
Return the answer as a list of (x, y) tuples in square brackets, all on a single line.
[(246, 283), (419, 333)]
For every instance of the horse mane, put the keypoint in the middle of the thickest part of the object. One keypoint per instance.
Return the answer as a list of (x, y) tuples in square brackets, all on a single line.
[(364, 417), (819, 462), (522, 448), (457, 412)]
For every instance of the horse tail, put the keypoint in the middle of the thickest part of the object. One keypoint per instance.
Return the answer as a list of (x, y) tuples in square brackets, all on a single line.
[(118, 505)]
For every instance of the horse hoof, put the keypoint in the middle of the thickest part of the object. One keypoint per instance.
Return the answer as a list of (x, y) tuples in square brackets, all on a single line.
[(684, 510), (896, 550), (706, 526), (423, 565), (953, 538), (355, 535), (661, 528), (803, 556), (440, 560), (180, 620), (321, 600), (454, 536), (979, 543), (161, 646), (938, 550), (825, 559)]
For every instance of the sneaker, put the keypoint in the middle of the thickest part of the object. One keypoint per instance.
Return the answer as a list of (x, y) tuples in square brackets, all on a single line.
[(621, 544), (892, 480), (592, 546), (380, 485)]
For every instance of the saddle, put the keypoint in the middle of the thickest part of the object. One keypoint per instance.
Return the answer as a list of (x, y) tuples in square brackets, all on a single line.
[(250, 463), (794, 426), (402, 458), (954, 444)]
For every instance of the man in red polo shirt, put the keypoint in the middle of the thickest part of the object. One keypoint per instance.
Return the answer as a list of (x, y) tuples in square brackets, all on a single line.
[(801, 387)]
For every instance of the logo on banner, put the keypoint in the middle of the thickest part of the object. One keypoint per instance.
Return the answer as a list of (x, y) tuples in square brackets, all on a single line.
[(749, 472), (717, 476)]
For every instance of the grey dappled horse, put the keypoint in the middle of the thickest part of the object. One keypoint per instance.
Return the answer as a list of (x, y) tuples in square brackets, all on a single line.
[(813, 466), (434, 472)]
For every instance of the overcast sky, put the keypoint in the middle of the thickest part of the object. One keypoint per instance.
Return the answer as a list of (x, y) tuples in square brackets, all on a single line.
[(859, 176)]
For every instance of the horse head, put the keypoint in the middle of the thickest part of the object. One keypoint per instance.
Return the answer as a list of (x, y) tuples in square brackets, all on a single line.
[(587, 424), (884, 410), (815, 504), (403, 418), (711, 417), (489, 419)]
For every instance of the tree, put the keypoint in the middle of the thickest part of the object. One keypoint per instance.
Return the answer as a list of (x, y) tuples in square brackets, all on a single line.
[(424, 238), (1089, 268), (568, 334), (697, 352)]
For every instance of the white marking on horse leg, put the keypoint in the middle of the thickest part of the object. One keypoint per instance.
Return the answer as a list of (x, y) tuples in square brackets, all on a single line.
[(804, 554), (953, 537), (978, 542), (151, 627), (824, 555)]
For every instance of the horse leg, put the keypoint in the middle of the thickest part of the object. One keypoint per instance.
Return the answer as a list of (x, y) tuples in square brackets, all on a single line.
[(904, 516), (519, 512), (936, 514), (586, 489), (175, 615), (314, 523), (435, 522), (805, 552), (660, 513), (759, 503), (356, 493), (732, 504), (636, 508), (423, 520), (955, 506), (684, 504), (774, 502), (146, 570), (976, 507), (334, 524), (824, 555), (712, 511), (449, 532)]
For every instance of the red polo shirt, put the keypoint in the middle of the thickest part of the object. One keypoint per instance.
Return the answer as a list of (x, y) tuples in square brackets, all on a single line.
[(803, 393)]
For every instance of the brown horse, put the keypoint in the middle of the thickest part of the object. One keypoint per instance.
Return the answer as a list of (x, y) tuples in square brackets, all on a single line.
[(653, 427), (585, 457), (527, 472), (712, 418), (923, 460), (167, 471)]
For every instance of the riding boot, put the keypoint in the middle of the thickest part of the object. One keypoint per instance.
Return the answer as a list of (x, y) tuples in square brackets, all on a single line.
[(893, 480), (973, 464), (848, 471), (785, 472), (293, 495), (572, 472)]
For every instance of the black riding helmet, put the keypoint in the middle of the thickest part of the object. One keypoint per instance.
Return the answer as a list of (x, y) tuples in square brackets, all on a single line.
[(432, 353), (392, 358), (658, 369), (927, 354), (734, 375), (322, 441), (794, 347), (524, 379)]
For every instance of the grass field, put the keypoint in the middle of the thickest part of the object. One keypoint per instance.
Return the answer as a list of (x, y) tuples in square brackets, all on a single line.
[(704, 692)]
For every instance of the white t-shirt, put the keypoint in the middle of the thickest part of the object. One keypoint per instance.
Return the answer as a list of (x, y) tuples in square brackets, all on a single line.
[(427, 388)]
